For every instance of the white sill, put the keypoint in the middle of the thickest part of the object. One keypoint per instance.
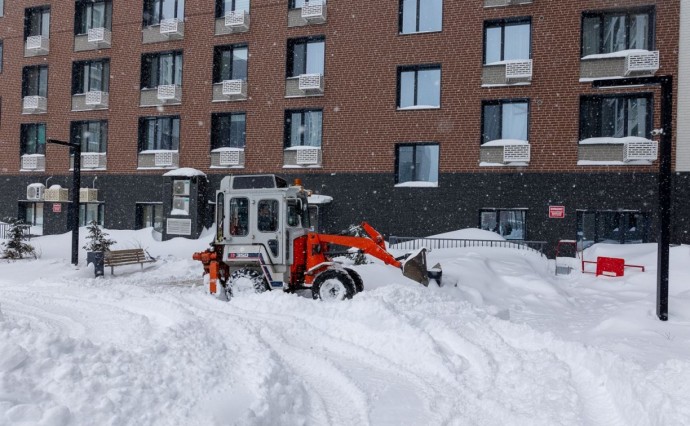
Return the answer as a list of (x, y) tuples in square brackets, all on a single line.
[(417, 184), (418, 107), (512, 164), (227, 167), (521, 83), (312, 166), (614, 163)]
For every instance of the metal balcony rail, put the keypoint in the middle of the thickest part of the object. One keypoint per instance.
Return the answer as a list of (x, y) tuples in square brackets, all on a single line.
[(413, 243)]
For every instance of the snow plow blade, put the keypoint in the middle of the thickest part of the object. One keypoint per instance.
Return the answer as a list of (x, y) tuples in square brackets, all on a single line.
[(414, 267)]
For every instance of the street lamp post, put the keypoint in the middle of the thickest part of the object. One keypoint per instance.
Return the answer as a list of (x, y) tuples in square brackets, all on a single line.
[(665, 153), (75, 148)]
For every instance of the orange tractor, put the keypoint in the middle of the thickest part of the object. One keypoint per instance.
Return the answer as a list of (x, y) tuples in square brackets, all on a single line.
[(263, 236)]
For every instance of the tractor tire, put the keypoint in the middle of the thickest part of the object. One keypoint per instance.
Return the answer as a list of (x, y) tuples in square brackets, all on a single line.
[(359, 284), (257, 280), (333, 285)]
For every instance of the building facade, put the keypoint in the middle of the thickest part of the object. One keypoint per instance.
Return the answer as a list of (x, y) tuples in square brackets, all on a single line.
[(419, 116)]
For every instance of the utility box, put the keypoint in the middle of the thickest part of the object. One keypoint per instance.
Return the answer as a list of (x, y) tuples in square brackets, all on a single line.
[(184, 203)]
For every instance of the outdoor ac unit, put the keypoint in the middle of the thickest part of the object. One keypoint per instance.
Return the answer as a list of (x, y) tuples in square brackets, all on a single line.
[(516, 153), (181, 187), (314, 10), (234, 88), (99, 36), (642, 62), (167, 92), (179, 226), (90, 160), (308, 156), (181, 204), (642, 150), (30, 162), (35, 192), (311, 82), (37, 43), (519, 70), (170, 27), (95, 98), (238, 19), (56, 193), (88, 195), (161, 159), (229, 158)]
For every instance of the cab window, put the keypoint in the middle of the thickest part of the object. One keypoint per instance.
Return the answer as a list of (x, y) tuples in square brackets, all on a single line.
[(239, 216), (294, 212), (267, 213)]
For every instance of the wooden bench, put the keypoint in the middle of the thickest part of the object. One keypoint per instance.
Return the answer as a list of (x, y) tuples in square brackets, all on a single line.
[(115, 258)]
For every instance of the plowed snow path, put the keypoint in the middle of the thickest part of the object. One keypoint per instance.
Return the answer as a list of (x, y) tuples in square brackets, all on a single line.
[(125, 352)]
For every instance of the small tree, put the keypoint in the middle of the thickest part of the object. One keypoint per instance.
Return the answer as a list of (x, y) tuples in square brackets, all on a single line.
[(15, 247), (97, 239)]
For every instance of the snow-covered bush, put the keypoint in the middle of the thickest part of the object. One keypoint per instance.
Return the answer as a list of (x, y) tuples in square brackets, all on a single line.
[(15, 247), (97, 239)]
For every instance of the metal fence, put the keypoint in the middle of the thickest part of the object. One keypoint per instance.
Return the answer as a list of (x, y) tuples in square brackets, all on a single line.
[(5, 231), (413, 243)]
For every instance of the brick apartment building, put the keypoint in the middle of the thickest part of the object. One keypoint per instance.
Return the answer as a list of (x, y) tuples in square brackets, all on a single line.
[(419, 116)]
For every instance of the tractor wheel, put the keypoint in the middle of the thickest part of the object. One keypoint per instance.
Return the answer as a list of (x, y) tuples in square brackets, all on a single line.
[(251, 276), (333, 285), (359, 284)]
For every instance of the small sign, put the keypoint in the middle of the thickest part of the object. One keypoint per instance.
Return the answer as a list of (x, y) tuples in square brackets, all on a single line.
[(556, 212), (57, 208)]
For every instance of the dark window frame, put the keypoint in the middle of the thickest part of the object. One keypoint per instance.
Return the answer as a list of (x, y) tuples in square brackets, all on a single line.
[(414, 156), (220, 7), (417, 19), (502, 102), (627, 12), (218, 60), (23, 130), (623, 219), (40, 11), (291, 43), (139, 213), (76, 132), (292, 4), (80, 15), (416, 68), (147, 61), (287, 133), (503, 23), (215, 137), (583, 121), (149, 19), (498, 219), (78, 75), (142, 139), (26, 77), (100, 213)]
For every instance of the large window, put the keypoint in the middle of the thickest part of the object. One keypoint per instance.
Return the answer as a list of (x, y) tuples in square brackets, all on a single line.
[(159, 133), (230, 63), (416, 163), (507, 40), (505, 119), (613, 31), (91, 212), (157, 10), (509, 223), (417, 16), (303, 128), (225, 6), (90, 14), (239, 216), (92, 135), (35, 81), (37, 21), (616, 116), (159, 69), (33, 139), (228, 130), (305, 56), (90, 76), (612, 227), (419, 86), (149, 215)]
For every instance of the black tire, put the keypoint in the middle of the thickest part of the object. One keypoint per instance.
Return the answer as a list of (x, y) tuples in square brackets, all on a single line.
[(333, 285), (359, 284), (256, 278)]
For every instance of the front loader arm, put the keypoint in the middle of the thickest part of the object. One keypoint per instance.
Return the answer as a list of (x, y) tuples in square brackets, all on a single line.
[(367, 245)]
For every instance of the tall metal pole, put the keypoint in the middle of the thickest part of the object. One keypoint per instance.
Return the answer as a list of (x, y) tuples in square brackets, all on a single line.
[(665, 176), (75, 148)]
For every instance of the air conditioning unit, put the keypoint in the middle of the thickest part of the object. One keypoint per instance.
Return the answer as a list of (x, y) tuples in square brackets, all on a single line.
[(234, 88), (308, 156), (229, 158), (181, 187), (516, 153), (314, 11), (237, 19), (167, 92), (90, 160), (95, 98), (38, 44), (56, 193), (163, 159), (179, 226), (642, 62), (642, 150), (35, 192), (29, 162), (519, 70), (311, 82), (88, 195), (99, 36), (170, 27), (180, 206)]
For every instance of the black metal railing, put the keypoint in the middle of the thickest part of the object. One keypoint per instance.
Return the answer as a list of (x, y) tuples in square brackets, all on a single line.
[(5, 231), (413, 243)]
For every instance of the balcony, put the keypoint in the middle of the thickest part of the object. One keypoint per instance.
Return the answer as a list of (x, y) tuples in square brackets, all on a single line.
[(34, 105), (91, 161), (304, 85), (158, 159), (505, 152), (500, 3), (33, 163), (36, 46), (165, 94), (605, 151), (227, 158), (90, 100), (626, 63), (230, 90), (313, 12), (513, 72), (233, 22), (168, 30), (302, 156)]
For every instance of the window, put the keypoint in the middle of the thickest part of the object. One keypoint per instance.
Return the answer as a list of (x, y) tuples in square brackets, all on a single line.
[(295, 4), (613, 227), (92, 135), (607, 32), (616, 116), (90, 14), (267, 213), (90, 212), (159, 133), (507, 40), (418, 16), (157, 10), (419, 86), (303, 128), (35, 81), (32, 214), (508, 223), (158, 69), (416, 163), (505, 119), (225, 6), (37, 21), (230, 63), (90, 76), (149, 215), (33, 139), (305, 56), (239, 216), (228, 130)]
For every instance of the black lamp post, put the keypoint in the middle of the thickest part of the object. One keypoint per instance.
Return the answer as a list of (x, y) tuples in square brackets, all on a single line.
[(75, 149), (665, 152)]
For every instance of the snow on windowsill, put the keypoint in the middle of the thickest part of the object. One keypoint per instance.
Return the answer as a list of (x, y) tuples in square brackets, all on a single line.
[(227, 167), (614, 163), (179, 212), (185, 172), (417, 184), (511, 164), (619, 54), (613, 141), (156, 151), (520, 83), (228, 149), (505, 142), (295, 166), (416, 107), (33, 155), (509, 61), (302, 147)]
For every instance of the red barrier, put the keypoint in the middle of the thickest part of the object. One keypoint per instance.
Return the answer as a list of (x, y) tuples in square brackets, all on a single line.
[(610, 266)]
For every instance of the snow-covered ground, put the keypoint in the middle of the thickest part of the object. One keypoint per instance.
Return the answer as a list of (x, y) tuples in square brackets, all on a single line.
[(504, 342)]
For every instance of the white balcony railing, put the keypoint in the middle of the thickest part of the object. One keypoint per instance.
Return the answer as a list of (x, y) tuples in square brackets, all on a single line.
[(308, 156), (30, 162), (90, 160), (516, 153), (167, 92), (170, 26), (163, 159), (237, 19), (229, 158), (234, 88), (642, 62), (519, 70), (311, 82), (95, 98), (35, 103), (37, 43), (314, 10), (99, 36), (640, 150)]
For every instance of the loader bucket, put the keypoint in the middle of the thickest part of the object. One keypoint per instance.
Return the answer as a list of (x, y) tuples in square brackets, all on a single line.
[(414, 267)]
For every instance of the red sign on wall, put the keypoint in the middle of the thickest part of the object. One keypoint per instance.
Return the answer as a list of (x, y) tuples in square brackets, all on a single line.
[(556, 212), (57, 208)]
